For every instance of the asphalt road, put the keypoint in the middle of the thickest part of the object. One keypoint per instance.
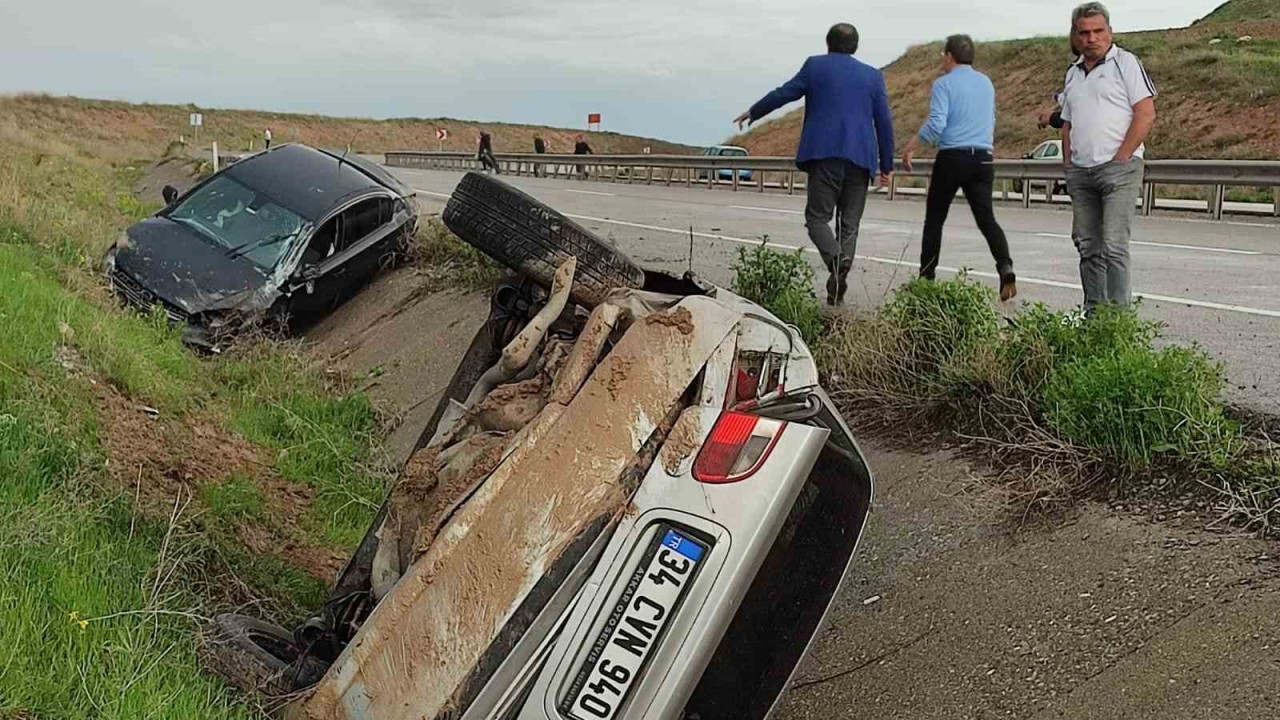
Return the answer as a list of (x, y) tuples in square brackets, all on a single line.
[(1212, 283)]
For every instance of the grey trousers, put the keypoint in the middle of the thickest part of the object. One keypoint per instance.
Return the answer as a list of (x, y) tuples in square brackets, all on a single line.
[(1103, 200), (836, 187)]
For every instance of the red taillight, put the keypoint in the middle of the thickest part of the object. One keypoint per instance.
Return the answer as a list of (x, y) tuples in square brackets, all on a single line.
[(736, 448)]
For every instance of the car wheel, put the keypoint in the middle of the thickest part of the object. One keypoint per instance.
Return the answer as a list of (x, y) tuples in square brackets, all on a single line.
[(1017, 186), (533, 239), (259, 657)]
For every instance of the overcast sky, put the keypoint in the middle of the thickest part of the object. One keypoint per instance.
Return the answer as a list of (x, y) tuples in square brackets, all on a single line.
[(676, 69)]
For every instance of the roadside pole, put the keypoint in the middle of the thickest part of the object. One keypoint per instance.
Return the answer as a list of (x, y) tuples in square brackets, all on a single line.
[(215, 156)]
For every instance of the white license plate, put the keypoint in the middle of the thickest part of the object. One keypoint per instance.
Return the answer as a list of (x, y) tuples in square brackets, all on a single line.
[(635, 626)]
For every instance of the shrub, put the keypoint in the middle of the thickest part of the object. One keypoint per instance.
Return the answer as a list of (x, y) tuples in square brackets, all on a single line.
[(782, 283), (1139, 402)]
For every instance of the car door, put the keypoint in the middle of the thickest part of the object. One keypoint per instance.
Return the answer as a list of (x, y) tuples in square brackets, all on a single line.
[(316, 285), (370, 227)]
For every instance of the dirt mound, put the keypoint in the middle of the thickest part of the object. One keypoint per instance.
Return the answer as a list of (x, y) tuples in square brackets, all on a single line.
[(178, 172), (125, 131), (161, 461)]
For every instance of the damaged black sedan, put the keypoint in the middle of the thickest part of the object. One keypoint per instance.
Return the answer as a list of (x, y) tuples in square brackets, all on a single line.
[(285, 234)]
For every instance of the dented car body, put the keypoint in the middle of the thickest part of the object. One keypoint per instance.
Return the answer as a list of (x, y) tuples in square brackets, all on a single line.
[(636, 503), (286, 233)]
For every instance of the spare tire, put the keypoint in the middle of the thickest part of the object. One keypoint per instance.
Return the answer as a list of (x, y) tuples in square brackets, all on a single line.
[(533, 239), (259, 657)]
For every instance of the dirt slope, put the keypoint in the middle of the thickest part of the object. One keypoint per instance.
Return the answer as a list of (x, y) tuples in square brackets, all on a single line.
[(127, 130), (1219, 100)]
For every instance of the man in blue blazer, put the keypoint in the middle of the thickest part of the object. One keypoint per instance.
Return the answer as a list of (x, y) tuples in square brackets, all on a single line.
[(847, 138)]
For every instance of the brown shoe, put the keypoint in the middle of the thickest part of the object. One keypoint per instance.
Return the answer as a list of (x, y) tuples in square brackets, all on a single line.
[(833, 289), (1008, 288)]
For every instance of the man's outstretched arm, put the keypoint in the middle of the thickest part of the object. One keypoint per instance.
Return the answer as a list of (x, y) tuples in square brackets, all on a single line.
[(792, 90)]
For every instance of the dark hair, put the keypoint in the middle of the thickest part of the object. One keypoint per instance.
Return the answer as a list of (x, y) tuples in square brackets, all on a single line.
[(842, 38), (960, 47)]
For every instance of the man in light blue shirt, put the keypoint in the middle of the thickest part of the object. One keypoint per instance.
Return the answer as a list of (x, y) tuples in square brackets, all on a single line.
[(962, 123)]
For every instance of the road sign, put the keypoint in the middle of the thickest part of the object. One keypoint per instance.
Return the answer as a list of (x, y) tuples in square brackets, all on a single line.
[(442, 134), (197, 119), (593, 118)]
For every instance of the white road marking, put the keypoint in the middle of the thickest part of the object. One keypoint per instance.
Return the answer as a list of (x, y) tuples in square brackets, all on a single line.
[(905, 263), (890, 261), (764, 209), (590, 192), (1202, 248)]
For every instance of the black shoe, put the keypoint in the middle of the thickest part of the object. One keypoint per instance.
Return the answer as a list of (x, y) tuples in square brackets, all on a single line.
[(842, 284), (1008, 287), (833, 290)]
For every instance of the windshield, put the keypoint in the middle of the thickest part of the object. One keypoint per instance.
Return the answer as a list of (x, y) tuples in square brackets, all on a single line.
[(734, 152), (245, 222)]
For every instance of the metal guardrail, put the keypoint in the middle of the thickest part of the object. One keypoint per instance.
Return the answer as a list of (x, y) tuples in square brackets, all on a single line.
[(706, 170)]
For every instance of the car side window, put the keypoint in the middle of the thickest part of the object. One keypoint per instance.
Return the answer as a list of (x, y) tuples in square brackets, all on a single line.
[(362, 219), (323, 243), (1039, 152), (1050, 150)]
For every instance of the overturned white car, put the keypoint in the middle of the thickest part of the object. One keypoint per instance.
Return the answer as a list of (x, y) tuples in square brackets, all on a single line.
[(635, 501)]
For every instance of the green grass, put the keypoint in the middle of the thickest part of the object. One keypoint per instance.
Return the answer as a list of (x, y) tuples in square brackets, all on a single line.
[(782, 283), (235, 498), (323, 442)]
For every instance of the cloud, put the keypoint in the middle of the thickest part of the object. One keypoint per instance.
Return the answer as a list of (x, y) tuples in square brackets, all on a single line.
[(679, 69)]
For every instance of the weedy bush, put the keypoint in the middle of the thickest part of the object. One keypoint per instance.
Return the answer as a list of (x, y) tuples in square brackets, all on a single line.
[(782, 283), (446, 257), (1096, 395)]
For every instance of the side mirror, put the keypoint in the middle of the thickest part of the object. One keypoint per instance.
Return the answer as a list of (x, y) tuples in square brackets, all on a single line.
[(170, 194), (1028, 156), (309, 272)]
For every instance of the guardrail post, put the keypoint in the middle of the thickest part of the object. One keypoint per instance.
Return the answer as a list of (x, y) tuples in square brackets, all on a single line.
[(1275, 202), (791, 182), (648, 176), (735, 178), (1026, 193), (1004, 190), (1218, 201), (1148, 198), (893, 186), (1048, 192), (760, 182), (711, 178)]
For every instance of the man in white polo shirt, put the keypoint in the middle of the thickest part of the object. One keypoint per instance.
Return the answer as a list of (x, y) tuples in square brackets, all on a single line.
[(1108, 109)]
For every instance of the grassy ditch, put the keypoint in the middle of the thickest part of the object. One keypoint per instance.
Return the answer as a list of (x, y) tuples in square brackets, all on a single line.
[(1068, 403), (145, 487)]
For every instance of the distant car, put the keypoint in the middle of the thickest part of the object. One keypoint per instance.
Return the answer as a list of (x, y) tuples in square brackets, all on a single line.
[(726, 151), (285, 233), (1049, 151)]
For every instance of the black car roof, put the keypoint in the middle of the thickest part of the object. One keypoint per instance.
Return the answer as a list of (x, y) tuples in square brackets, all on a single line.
[(311, 182)]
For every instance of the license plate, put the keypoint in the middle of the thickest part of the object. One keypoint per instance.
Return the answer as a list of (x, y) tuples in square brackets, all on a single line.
[(650, 599)]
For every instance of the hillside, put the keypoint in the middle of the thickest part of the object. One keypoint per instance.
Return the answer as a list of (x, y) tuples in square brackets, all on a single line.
[(145, 130), (1218, 100)]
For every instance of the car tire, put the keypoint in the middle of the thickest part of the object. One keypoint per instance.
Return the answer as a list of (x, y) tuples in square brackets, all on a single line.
[(533, 239), (1017, 186), (258, 657)]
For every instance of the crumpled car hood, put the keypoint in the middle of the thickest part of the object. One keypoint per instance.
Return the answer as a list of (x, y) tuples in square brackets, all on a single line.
[(186, 270)]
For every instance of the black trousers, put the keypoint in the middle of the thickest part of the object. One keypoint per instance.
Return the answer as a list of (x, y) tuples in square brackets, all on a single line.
[(972, 171)]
